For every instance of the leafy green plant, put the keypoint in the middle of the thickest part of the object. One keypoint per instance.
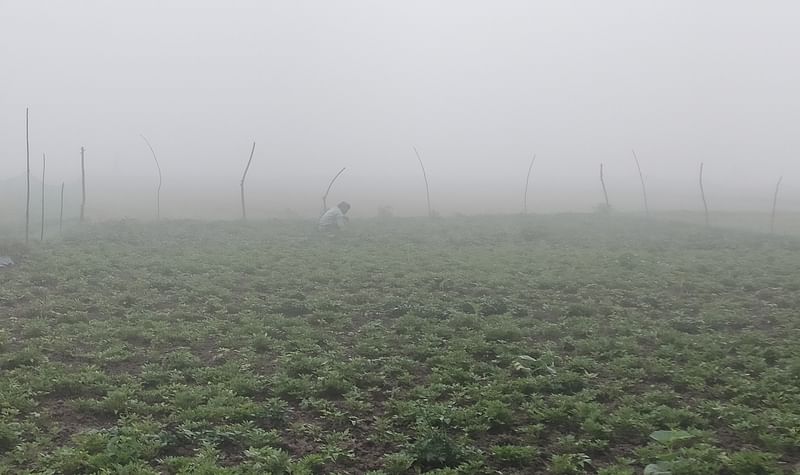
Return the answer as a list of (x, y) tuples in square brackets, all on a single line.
[(398, 463), (748, 462), (514, 455), (268, 460), (9, 435), (498, 414), (569, 464), (435, 448)]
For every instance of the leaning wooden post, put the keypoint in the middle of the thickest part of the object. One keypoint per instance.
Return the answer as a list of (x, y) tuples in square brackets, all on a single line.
[(44, 163), (703, 195), (641, 179), (427, 187), (325, 196), (83, 183), (774, 206), (61, 213), (28, 160), (603, 183), (527, 180), (244, 175), (158, 190)]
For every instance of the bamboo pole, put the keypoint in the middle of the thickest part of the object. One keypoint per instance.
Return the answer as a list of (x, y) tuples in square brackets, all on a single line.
[(427, 187), (44, 163), (244, 175), (527, 180), (641, 179), (61, 213), (603, 183), (703, 195), (158, 166), (28, 175), (325, 196), (83, 183), (774, 206)]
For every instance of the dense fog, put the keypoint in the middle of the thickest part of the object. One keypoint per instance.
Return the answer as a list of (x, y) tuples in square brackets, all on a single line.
[(477, 87)]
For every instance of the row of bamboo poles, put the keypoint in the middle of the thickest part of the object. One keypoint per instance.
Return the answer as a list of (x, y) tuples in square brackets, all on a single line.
[(431, 212)]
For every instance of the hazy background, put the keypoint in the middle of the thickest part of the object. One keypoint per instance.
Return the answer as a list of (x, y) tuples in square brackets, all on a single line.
[(478, 87)]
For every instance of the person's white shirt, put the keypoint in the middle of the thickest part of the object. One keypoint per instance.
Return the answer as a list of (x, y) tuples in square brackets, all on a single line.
[(332, 218)]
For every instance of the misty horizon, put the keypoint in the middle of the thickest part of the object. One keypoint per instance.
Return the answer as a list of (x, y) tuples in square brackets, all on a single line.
[(477, 89)]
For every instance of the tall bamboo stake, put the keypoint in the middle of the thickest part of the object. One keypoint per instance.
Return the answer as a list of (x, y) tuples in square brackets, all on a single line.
[(703, 195), (44, 162), (641, 179), (427, 187), (527, 180), (28, 194), (244, 175), (158, 191), (325, 196), (774, 205), (83, 183), (603, 183), (61, 213)]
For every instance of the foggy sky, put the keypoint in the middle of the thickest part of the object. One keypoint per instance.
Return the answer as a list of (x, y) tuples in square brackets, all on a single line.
[(477, 87)]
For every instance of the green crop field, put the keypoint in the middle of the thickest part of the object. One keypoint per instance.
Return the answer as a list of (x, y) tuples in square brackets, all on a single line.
[(497, 345)]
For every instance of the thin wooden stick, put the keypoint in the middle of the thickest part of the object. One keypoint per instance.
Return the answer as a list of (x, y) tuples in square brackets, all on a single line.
[(605, 193), (641, 179), (28, 160), (703, 195), (61, 213), (325, 196), (527, 180), (44, 162), (427, 187), (244, 175), (158, 191), (774, 206), (83, 183)]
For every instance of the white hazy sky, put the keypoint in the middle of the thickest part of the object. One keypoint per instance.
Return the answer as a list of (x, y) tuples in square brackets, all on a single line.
[(477, 86)]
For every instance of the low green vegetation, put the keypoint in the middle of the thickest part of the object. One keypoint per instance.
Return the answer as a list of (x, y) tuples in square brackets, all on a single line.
[(562, 345)]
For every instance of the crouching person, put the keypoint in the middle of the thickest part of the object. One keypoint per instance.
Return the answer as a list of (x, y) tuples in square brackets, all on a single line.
[(335, 218)]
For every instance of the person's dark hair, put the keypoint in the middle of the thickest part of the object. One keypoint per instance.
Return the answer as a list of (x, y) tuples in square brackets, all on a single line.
[(344, 206)]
